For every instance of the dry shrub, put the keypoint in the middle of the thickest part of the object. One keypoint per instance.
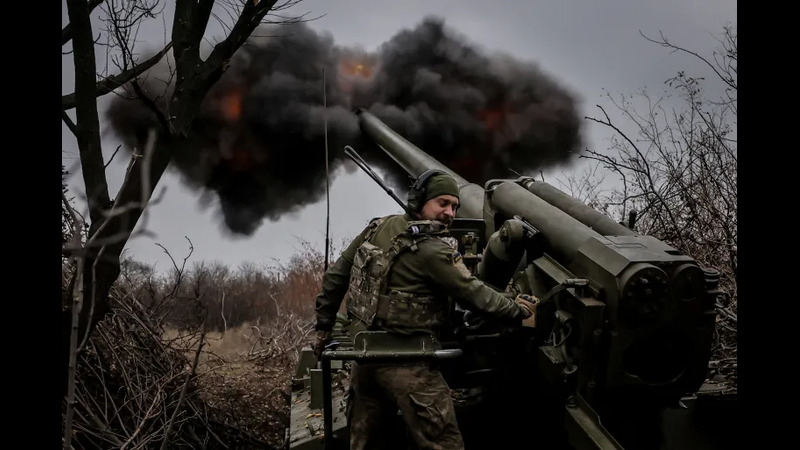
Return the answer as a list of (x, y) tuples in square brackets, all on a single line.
[(132, 386), (675, 161), (220, 298), (300, 280), (297, 285), (208, 294), (252, 323)]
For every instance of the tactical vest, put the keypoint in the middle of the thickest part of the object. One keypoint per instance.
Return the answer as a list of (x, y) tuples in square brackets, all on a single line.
[(370, 300)]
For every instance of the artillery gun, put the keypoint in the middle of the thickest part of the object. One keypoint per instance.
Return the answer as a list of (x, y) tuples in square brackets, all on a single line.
[(623, 329)]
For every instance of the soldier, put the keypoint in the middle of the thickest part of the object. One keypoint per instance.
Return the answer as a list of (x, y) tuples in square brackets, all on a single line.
[(401, 272)]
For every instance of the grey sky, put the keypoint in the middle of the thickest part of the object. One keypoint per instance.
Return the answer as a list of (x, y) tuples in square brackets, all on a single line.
[(586, 45)]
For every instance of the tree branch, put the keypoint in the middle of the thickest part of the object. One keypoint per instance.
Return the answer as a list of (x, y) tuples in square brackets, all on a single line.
[(108, 84), (665, 43), (200, 20), (66, 32), (195, 78), (73, 343), (651, 183), (185, 388), (151, 105), (249, 19), (70, 124), (87, 122)]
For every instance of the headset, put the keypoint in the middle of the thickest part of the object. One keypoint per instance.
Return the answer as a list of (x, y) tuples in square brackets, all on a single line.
[(416, 194)]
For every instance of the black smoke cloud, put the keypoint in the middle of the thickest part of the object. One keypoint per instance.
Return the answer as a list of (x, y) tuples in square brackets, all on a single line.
[(262, 135)]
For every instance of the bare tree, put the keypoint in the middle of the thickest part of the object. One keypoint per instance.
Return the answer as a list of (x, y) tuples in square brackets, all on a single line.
[(111, 223), (678, 167)]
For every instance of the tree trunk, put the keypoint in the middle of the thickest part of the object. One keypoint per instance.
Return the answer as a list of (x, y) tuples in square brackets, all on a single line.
[(107, 239), (111, 227)]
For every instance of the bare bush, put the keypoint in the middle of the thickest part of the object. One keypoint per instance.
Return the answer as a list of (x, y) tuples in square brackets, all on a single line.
[(221, 298), (134, 389), (300, 279), (138, 386), (203, 355), (678, 169)]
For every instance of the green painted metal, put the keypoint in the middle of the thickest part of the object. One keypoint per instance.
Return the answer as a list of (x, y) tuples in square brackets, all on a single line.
[(623, 333)]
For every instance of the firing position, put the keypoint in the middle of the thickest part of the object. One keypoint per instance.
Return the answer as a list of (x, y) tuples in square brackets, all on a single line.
[(403, 272)]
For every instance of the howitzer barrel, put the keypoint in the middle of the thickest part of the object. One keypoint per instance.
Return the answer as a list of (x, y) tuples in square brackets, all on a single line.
[(564, 233), (415, 161), (572, 206)]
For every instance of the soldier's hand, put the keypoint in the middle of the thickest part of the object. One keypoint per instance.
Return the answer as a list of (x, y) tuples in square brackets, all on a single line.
[(322, 338), (528, 304)]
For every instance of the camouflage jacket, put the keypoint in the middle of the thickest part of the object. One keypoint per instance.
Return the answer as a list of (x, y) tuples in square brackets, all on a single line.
[(434, 269)]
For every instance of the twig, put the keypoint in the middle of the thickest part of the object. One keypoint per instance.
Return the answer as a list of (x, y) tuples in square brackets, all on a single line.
[(70, 124), (112, 156), (726, 312), (197, 440), (73, 339), (210, 431), (179, 271), (147, 415), (183, 391), (122, 370), (106, 434), (222, 314)]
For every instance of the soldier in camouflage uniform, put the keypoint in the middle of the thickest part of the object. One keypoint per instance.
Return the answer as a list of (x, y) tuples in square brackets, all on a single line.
[(402, 272)]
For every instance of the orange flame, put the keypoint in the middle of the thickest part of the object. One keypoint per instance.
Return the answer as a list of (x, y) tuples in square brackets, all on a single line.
[(355, 68), (231, 105), (352, 72)]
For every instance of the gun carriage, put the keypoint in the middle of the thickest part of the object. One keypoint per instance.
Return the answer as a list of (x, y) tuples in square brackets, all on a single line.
[(623, 328)]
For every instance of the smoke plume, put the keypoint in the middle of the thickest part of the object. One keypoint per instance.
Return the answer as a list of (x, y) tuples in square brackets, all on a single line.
[(262, 133)]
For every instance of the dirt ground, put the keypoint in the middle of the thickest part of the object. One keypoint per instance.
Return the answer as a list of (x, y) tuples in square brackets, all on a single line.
[(250, 392)]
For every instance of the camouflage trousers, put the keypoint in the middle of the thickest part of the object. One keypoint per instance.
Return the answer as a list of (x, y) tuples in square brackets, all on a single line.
[(418, 392)]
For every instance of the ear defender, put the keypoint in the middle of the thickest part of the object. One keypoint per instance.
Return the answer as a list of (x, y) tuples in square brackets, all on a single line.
[(416, 195)]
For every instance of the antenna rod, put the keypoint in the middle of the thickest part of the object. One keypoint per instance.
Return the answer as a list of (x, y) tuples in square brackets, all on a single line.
[(360, 162), (327, 178)]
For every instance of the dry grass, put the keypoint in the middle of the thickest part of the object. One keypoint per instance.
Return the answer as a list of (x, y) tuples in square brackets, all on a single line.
[(245, 370), (233, 344), (244, 379)]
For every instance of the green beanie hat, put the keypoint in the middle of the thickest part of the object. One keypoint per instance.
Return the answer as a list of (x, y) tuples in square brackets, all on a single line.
[(441, 184)]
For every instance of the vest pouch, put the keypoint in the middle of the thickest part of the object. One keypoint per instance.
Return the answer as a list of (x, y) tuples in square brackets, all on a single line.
[(407, 310), (369, 267)]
